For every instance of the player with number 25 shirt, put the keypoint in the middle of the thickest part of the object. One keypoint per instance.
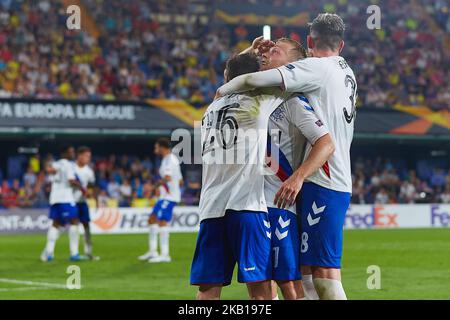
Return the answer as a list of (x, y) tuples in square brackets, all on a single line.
[(234, 222)]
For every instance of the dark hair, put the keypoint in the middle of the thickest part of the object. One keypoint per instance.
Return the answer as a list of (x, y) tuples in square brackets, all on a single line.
[(297, 51), (163, 142), (83, 149), (65, 148), (327, 30), (242, 64)]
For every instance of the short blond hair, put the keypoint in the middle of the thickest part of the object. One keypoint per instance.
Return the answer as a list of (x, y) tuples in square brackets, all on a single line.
[(297, 52)]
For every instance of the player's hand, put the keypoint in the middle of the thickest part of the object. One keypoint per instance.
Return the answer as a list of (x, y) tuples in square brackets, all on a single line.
[(261, 46), (288, 192)]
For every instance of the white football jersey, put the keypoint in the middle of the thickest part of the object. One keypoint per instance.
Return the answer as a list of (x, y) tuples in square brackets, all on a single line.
[(85, 175), (62, 191), (292, 126), (170, 166), (330, 86), (234, 140)]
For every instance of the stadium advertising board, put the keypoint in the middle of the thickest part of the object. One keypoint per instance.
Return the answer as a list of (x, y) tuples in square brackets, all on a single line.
[(162, 114), (83, 114), (186, 219)]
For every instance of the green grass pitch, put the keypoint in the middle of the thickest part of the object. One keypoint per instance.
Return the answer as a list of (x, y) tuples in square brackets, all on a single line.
[(415, 264)]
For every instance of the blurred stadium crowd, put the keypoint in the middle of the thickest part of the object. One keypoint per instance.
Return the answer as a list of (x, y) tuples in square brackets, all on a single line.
[(123, 181), (136, 57), (129, 181)]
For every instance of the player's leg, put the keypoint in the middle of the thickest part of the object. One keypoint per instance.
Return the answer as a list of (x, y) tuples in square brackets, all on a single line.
[(153, 230), (274, 290), (291, 290), (249, 236), (327, 282), (70, 214), (87, 239), (323, 213), (308, 284), (209, 292), (164, 217), (213, 262), (163, 242), (298, 287), (52, 234), (285, 253), (84, 217), (260, 290)]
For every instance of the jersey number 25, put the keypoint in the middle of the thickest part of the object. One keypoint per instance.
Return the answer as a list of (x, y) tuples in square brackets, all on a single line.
[(221, 128)]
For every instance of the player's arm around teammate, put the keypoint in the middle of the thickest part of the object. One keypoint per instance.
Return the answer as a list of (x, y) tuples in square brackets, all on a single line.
[(320, 153)]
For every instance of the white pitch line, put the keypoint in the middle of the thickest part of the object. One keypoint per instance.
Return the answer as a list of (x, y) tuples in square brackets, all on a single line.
[(34, 283), (24, 289)]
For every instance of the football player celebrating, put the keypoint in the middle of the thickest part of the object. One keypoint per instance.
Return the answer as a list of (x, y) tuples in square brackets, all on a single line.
[(235, 227), (292, 126), (329, 84)]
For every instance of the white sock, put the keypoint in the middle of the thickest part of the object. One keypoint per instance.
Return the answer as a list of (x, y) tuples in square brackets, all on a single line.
[(329, 289), (276, 297), (52, 236), (87, 241), (164, 238), (73, 239), (308, 287), (153, 238)]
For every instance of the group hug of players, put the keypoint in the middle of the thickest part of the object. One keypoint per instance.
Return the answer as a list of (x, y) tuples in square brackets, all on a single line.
[(278, 215)]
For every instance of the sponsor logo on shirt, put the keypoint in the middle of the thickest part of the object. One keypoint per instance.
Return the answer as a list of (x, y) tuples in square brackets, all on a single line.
[(290, 66)]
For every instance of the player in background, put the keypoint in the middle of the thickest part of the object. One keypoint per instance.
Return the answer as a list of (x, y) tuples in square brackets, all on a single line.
[(86, 177), (329, 84), (292, 126), (63, 210), (169, 196)]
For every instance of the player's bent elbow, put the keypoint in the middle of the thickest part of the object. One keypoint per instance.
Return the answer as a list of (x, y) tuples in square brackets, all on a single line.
[(248, 80)]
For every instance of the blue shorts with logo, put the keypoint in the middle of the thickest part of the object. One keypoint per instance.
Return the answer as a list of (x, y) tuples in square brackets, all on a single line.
[(285, 245), (241, 237), (163, 210), (83, 212), (63, 212), (321, 226)]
